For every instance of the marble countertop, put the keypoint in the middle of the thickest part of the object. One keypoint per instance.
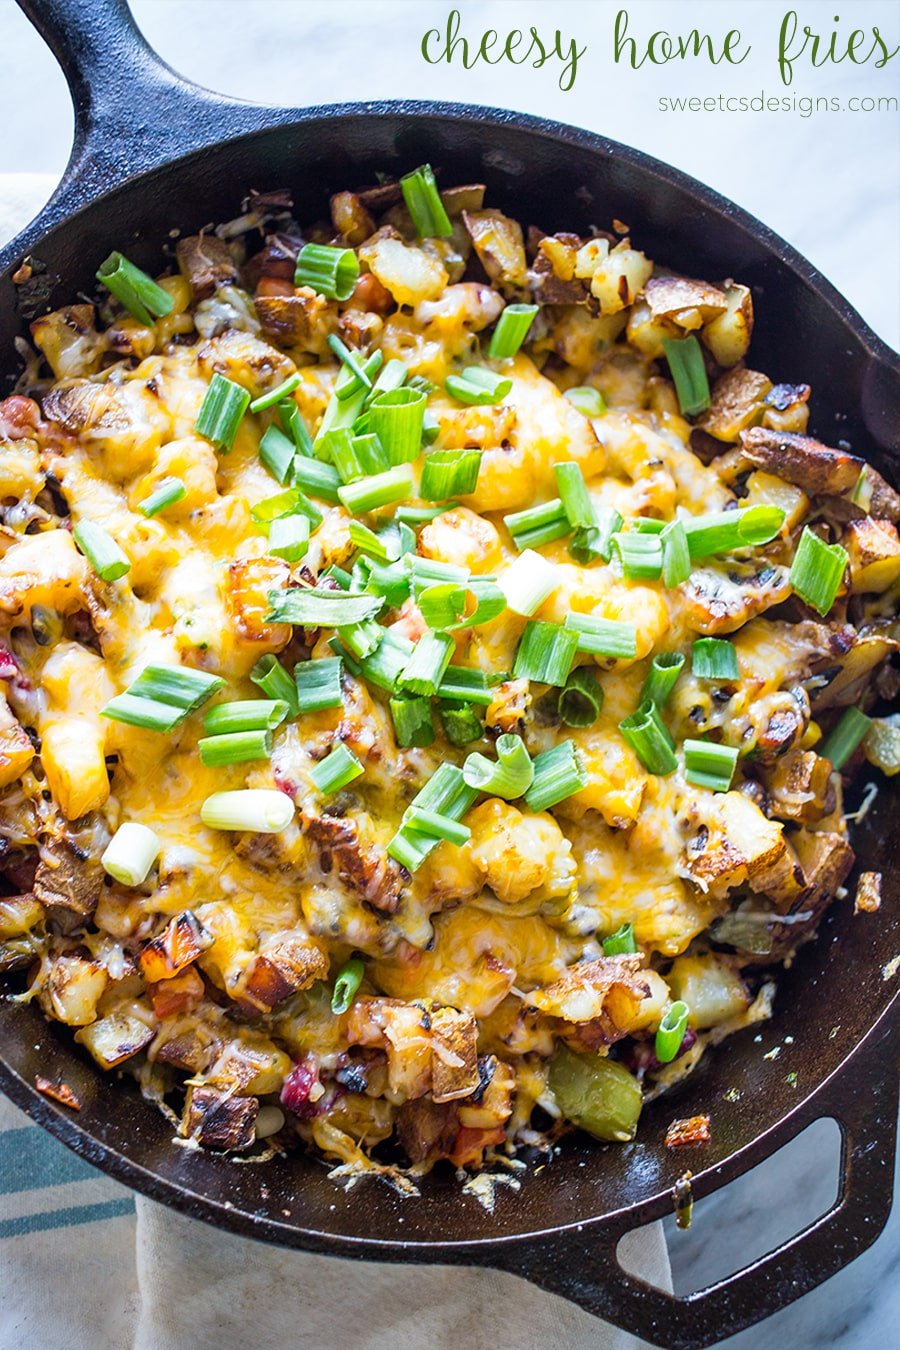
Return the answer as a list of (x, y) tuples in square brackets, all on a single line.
[(828, 182)]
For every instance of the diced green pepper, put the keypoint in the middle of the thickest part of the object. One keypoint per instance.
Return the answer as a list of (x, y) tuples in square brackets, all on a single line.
[(596, 1094)]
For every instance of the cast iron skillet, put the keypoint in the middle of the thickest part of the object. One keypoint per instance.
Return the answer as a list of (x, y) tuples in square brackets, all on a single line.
[(152, 152)]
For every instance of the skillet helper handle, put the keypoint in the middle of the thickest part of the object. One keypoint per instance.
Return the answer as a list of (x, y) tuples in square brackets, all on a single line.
[(583, 1267), (133, 112)]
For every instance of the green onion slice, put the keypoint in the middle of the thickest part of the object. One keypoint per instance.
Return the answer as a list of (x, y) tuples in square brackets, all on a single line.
[(107, 560), (167, 492), (595, 541), (249, 714), (538, 524), (317, 684), (817, 571), (671, 1031), (676, 554), (463, 684), (257, 810), (346, 985), (459, 723), (274, 396), (336, 770), (130, 854), (322, 480), (413, 722), (725, 531), (511, 331), (332, 272), (446, 794), (603, 637), (351, 361), (709, 765), (580, 701), (574, 496), (587, 400), (508, 776), (383, 489), (649, 738), (396, 419), (438, 826), (640, 554), (662, 678), (134, 289), (558, 773), (449, 473), (289, 538), (477, 386), (277, 453), (234, 747), (528, 582), (321, 607), (270, 676), (840, 743), (621, 942), (423, 202), (294, 425), (221, 412), (545, 653), (714, 659), (384, 667), (425, 668), (162, 697), (685, 358)]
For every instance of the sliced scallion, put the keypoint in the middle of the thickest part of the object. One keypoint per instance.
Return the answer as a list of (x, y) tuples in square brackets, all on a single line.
[(621, 942), (670, 1034), (545, 653), (817, 571), (460, 724), (277, 453), (317, 684), (508, 776), (413, 722), (511, 331), (676, 554), (662, 678), (332, 272), (346, 985), (438, 826), (107, 560), (725, 531), (574, 495), (316, 477), (134, 289), (449, 473), (425, 668), (396, 418), (595, 541), (321, 607), (603, 637), (446, 794), (640, 554), (221, 412), (274, 396), (840, 743), (270, 676), (587, 400), (384, 667), (709, 765), (714, 659), (528, 582), (249, 714), (538, 524), (130, 854), (423, 202), (289, 538), (167, 492), (256, 810), (478, 387), (463, 684), (685, 358), (581, 700), (162, 697), (234, 747), (383, 489), (649, 738), (558, 773), (336, 770)]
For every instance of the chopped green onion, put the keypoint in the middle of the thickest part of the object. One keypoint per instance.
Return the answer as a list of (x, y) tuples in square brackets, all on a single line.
[(603, 637), (445, 794), (270, 675), (383, 489), (558, 773), (339, 446), (413, 723), (321, 607), (442, 606), (317, 684), (545, 653), (289, 538), (648, 525), (389, 580), (422, 515), (167, 492), (574, 495), (361, 639), (423, 202), (725, 531), (371, 453), (460, 724), (257, 810), (465, 685), (234, 747), (709, 765), (393, 376), (384, 667), (595, 541), (587, 400), (102, 552), (291, 502), (817, 571), (671, 1031), (538, 524), (840, 743), (294, 425), (528, 582), (426, 572), (649, 738), (249, 714), (662, 678), (277, 454), (370, 543), (449, 473), (676, 554), (511, 331), (685, 358), (221, 411), (508, 776), (351, 361), (490, 602), (640, 554), (425, 668), (714, 659), (621, 942), (134, 289), (338, 414), (322, 480), (436, 825), (276, 395), (336, 770), (580, 702), (162, 697), (131, 853), (396, 419), (332, 272), (346, 985), (477, 386)]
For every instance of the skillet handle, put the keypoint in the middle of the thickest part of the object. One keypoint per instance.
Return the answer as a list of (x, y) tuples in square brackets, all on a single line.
[(133, 112), (583, 1266)]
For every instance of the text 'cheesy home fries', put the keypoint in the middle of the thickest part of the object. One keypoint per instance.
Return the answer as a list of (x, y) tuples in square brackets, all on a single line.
[(430, 659)]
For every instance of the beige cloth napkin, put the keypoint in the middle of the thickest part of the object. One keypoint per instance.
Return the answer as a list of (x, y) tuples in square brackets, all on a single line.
[(164, 1282)]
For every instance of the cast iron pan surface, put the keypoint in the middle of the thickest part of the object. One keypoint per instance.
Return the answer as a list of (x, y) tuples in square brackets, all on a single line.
[(153, 153)]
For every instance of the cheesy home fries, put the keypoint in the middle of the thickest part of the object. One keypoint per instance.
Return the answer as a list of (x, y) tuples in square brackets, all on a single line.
[(430, 658)]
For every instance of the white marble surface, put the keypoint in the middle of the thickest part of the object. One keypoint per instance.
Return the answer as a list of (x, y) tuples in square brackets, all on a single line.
[(830, 183)]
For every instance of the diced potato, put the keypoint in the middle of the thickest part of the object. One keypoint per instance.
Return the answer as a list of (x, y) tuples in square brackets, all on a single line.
[(43, 569), (302, 322), (73, 752), (249, 582), (686, 302), (454, 1055), (18, 915), (764, 489), (409, 273), (177, 946), (74, 988), (619, 278), (710, 986), (737, 401), (874, 549), (113, 1039), (464, 538), (498, 241), (69, 341), (647, 331), (218, 1121), (797, 784), (801, 460), (728, 335), (733, 843), (518, 854)]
